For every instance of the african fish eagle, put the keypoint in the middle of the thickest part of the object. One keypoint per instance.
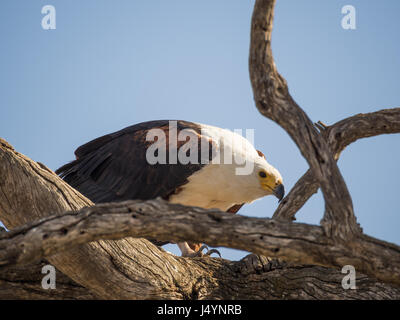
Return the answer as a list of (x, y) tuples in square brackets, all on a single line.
[(119, 166)]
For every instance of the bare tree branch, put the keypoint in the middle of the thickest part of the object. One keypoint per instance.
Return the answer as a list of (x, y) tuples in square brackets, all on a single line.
[(30, 191), (158, 219), (253, 277), (136, 269), (273, 100), (339, 136), (162, 275)]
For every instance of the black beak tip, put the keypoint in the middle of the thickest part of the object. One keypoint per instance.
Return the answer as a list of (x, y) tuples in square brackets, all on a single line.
[(279, 192)]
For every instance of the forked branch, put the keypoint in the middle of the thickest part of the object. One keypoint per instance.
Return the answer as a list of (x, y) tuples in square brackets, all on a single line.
[(339, 136), (273, 100), (130, 268)]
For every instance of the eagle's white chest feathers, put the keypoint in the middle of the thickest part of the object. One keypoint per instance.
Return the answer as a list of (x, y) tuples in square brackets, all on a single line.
[(218, 185), (207, 188)]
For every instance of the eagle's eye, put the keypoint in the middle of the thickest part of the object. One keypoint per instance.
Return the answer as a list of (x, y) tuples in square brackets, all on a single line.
[(262, 174)]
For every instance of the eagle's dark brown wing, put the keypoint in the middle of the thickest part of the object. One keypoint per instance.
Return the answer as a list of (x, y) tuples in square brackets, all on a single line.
[(114, 167)]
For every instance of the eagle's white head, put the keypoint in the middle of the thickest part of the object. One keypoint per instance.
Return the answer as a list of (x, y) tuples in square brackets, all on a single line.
[(266, 177), (237, 174)]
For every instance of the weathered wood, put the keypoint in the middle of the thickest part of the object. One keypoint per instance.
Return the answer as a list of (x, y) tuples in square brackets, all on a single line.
[(158, 219), (338, 136), (254, 277), (24, 282), (272, 98), (134, 268), (30, 191), (163, 275)]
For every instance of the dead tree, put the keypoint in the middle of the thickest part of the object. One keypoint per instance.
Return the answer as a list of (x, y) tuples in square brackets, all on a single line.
[(99, 250)]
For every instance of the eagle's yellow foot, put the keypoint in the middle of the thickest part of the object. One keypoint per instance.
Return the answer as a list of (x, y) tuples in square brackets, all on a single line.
[(209, 252), (189, 252)]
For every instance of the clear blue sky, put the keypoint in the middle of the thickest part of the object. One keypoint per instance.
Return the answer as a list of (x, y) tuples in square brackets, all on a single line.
[(110, 64)]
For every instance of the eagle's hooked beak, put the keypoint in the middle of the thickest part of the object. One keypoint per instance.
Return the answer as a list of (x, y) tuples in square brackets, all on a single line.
[(279, 192)]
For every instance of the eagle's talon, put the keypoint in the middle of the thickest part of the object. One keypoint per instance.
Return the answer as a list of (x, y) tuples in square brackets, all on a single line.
[(199, 253), (210, 252)]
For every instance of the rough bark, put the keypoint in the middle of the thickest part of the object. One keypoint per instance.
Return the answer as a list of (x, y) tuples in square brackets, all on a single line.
[(272, 98), (338, 136), (158, 219), (50, 220), (253, 277), (163, 275), (30, 191), (24, 282)]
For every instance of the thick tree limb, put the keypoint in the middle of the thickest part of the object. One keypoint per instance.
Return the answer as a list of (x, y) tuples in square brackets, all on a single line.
[(29, 191), (158, 219), (273, 100), (134, 268), (162, 275), (24, 282), (339, 136), (253, 277)]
